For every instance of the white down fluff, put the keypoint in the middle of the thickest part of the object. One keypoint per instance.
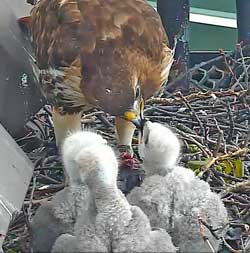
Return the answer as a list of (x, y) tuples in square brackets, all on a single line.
[(171, 196), (114, 225), (58, 216)]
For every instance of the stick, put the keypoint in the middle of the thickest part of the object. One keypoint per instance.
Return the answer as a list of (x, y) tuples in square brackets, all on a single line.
[(224, 157)]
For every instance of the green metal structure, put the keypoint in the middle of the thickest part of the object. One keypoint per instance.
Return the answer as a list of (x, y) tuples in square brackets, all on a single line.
[(213, 24)]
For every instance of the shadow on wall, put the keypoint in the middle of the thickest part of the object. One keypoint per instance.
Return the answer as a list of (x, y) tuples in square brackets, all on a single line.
[(19, 94)]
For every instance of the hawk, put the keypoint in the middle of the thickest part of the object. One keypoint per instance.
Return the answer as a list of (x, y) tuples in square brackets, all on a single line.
[(106, 54)]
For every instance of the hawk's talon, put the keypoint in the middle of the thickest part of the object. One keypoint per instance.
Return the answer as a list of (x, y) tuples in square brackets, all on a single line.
[(128, 161), (126, 149)]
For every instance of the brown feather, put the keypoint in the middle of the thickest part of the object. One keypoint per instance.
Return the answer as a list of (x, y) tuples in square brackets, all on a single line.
[(114, 44)]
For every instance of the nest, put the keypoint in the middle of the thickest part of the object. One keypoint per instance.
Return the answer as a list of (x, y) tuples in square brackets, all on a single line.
[(213, 126)]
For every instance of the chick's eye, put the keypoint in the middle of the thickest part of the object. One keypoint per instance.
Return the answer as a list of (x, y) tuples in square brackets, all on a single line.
[(138, 92)]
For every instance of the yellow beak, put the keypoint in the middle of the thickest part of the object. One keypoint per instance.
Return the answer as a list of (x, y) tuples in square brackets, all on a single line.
[(129, 115), (135, 117)]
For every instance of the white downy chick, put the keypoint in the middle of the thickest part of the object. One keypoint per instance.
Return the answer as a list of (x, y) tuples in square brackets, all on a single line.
[(159, 149), (58, 216), (117, 226), (171, 195)]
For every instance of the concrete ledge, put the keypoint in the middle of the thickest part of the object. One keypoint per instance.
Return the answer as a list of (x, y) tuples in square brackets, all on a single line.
[(15, 174)]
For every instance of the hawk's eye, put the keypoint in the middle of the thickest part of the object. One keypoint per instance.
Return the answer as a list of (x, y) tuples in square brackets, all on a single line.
[(138, 92)]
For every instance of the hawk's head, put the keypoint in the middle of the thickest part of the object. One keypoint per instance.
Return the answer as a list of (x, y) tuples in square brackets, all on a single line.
[(113, 86)]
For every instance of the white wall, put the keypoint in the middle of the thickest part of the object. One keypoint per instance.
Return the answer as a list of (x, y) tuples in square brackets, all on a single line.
[(20, 7)]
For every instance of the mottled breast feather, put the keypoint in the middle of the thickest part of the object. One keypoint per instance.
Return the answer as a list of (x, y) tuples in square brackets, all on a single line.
[(120, 44)]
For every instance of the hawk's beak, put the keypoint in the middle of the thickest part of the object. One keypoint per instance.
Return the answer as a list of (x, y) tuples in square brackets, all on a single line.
[(132, 117), (137, 122), (136, 118)]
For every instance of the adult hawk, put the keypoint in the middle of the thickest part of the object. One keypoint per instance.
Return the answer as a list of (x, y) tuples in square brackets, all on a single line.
[(108, 54)]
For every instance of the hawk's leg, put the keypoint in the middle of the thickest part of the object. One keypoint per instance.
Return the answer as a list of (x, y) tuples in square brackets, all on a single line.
[(130, 174), (124, 133), (63, 125)]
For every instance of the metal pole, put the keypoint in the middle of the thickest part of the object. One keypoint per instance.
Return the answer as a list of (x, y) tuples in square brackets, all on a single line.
[(175, 19), (243, 21)]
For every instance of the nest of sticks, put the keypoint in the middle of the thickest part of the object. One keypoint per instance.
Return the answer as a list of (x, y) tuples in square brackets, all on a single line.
[(214, 127)]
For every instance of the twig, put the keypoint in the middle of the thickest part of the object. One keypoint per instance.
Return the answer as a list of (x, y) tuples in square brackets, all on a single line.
[(240, 187), (50, 189), (31, 199), (227, 64), (52, 180), (243, 63), (37, 201), (185, 101), (233, 202), (228, 176), (230, 248), (232, 125), (224, 157), (246, 141), (105, 120), (204, 237), (218, 144), (195, 96), (210, 228), (204, 149)]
